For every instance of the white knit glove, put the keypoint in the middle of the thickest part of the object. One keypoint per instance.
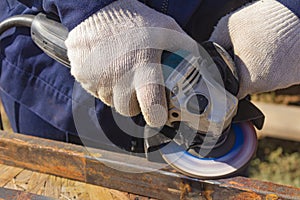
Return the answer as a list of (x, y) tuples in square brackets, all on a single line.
[(265, 37), (113, 56)]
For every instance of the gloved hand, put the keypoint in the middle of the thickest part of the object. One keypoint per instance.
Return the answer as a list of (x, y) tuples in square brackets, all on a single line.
[(113, 56), (265, 37)]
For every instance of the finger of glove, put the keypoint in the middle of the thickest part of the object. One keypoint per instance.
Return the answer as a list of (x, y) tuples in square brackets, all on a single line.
[(115, 82), (124, 96), (151, 94), (83, 74), (105, 94), (126, 103)]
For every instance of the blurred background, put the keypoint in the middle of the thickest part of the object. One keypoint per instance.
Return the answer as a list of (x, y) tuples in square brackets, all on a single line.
[(278, 156)]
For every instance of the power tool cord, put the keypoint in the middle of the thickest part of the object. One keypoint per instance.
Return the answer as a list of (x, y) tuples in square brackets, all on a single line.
[(18, 20)]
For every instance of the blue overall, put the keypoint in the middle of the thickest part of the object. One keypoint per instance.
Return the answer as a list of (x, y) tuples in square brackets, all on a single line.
[(38, 92)]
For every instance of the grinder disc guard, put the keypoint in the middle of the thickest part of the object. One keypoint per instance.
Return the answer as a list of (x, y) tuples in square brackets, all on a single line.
[(227, 164)]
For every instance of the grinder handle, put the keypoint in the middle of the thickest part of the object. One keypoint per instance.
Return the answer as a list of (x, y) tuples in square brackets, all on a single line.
[(50, 36)]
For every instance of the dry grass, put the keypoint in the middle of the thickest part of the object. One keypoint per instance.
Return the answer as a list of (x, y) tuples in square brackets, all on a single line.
[(277, 161)]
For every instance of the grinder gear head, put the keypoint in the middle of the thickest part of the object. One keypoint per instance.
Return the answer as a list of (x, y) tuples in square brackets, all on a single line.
[(196, 92)]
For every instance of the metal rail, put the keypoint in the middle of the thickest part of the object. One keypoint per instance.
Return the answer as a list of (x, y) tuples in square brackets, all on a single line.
[(74, 162)]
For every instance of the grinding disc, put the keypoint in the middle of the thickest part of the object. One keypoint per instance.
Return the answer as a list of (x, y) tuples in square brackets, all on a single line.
[(209, 168)]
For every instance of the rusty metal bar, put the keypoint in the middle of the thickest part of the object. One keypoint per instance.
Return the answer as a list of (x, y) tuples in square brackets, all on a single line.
[(8, 194), (75, 162)]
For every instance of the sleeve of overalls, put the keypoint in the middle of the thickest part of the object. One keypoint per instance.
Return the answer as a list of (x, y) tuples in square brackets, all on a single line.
[(70, 12)]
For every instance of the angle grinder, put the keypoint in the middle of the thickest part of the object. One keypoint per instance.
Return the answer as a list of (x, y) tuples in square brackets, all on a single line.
[(209, 132)]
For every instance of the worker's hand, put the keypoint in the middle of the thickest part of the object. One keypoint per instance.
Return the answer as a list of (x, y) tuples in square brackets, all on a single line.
[(265, 37), (113, 55)]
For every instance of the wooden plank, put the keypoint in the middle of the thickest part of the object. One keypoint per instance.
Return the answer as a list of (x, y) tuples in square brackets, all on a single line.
[(73, 190), (96, 192), (79, 190), (29, 181), (21, 181), (57, 187), (281, 121), (7, 173), (53, 187), (37, 182), (74, 162)]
